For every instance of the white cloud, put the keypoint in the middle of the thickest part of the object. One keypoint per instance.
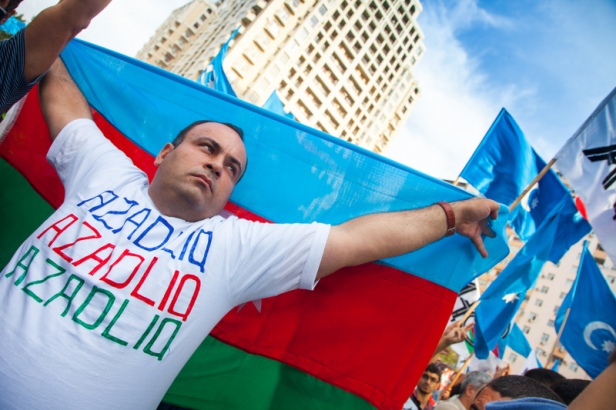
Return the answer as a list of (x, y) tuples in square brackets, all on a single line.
[(456, 107)]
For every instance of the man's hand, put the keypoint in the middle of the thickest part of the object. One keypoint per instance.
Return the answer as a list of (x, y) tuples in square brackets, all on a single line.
[(472, 220)]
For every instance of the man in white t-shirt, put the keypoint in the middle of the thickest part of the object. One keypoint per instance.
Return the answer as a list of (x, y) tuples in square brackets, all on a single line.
[(106, 301)]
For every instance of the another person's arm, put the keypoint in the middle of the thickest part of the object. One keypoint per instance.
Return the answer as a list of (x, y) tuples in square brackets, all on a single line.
[(453, 334), (50, 31), (61, 99), (377, 236)]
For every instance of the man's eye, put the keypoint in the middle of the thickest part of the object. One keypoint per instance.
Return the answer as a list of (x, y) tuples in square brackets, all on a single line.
[(232, 169)]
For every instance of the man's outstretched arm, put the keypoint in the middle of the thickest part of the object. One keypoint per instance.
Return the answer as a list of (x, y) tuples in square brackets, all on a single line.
[(52, 29), (61, 99), (377, 236)]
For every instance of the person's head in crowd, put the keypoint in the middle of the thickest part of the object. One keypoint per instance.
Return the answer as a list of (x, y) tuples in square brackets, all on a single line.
[(546, 377), (470, 386), (430, 379), (569, 389), (512, 387)]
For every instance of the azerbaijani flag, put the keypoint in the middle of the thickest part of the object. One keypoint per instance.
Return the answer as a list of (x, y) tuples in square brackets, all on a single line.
[(364, 336)]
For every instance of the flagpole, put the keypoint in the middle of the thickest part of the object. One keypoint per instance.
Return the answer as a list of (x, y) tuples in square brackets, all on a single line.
[(455, 182), (533, 182), (557, 342), (469, 311), (459, 372)]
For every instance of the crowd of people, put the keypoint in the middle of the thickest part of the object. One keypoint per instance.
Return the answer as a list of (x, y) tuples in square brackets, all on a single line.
[(536, 389)]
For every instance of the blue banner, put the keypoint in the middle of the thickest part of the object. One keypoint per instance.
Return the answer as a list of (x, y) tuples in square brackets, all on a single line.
[(503, 297), (590, 330)]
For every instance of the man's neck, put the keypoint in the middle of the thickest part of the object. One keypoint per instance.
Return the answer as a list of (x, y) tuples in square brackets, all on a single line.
[(423, 398)]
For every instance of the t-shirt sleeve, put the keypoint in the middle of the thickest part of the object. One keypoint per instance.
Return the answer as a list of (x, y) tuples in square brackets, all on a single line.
[(13, 85), (85, 159), (270, 259)]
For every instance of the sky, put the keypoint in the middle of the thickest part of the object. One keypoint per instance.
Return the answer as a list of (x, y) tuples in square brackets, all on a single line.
[(549, 63)]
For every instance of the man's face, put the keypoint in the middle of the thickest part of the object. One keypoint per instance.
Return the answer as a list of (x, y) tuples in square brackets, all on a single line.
[(428, 383), (195, 179), (486, 395)]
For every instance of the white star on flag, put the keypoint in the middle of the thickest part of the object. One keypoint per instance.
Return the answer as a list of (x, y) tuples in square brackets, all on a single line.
[(608, 346), (510, 297), (257, 304), (535, 203)]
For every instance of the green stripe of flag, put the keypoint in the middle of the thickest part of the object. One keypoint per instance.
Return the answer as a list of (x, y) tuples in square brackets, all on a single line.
[(22, 211), (219, 376)]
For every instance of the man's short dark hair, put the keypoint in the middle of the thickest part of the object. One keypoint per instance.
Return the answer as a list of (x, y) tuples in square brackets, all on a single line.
[(182, 134), (569, 389), (546, 377), (517, 387), (433, 368)]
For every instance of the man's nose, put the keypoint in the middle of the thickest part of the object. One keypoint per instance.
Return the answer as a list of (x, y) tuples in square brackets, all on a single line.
[(214, 167)]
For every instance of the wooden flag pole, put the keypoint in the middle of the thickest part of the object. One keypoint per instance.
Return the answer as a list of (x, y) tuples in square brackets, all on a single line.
[(459, 372), (557, 342), (533, 182), (469, 311), (455, 182)]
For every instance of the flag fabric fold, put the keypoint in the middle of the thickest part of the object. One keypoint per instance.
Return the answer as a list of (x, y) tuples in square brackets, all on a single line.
[(516, 341), (274, 104), (503, 297), (328, 334), (589, 334), (588, 162), (503, 165), (214, 75)]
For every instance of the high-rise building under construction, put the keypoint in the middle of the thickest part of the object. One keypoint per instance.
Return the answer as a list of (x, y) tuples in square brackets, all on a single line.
[(342, 66)]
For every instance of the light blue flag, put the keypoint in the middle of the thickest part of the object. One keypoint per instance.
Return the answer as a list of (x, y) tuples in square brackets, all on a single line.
[(502, 299), (274, 104), (214, 75), (590, 330), (537, 205), (516, 341), (12, 25), (503, 165)]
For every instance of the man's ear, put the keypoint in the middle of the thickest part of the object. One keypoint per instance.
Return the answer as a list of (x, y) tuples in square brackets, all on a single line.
[(163, 153)]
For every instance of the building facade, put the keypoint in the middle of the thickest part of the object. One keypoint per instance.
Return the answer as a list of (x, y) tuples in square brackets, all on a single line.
[(342, 66)]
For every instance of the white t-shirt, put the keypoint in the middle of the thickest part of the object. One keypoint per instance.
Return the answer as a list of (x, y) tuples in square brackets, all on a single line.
[(103, 305)]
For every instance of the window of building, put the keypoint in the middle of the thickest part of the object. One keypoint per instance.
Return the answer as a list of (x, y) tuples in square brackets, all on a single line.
[(544, 289), (562, 295), (539, 352), (550, 276), (532, 316), (556, 308), (526, 329), (545, 337), (611, 279), (538, 302), (573, 367), (551, 323)]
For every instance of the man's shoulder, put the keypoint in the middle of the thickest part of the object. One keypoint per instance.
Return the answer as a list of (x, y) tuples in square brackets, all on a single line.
[(452, 404)]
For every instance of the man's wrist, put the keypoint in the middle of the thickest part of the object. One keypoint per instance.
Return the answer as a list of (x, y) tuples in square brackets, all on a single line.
[(450, 217)]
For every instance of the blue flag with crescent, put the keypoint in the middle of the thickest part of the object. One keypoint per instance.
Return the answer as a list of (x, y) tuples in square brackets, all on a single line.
[(502, 299), (516, 341), (590, 329), (503, 165)]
